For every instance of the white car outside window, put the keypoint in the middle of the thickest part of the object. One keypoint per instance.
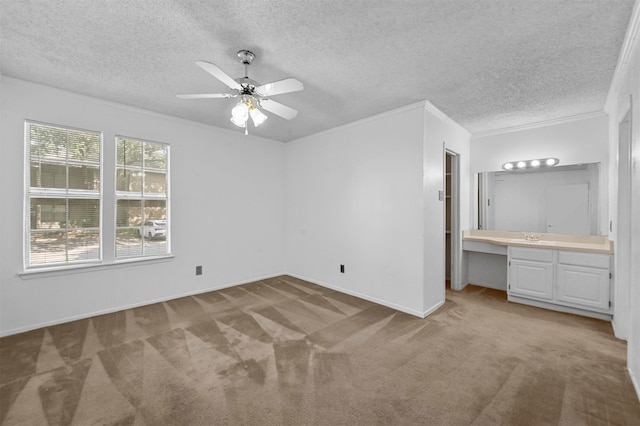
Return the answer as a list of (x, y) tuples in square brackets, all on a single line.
[(155, 229)]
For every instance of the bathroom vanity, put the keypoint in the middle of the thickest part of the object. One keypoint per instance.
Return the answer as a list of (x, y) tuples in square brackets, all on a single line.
[(569, 273)]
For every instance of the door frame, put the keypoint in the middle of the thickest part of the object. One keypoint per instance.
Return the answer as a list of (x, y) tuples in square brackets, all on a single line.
[(623, 232), (456, 235)]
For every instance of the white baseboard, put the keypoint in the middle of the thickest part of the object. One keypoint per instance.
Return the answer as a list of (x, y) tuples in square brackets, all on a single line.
[(371, 299), (432, 309), (635, 381), (617, 330), (131, 306)]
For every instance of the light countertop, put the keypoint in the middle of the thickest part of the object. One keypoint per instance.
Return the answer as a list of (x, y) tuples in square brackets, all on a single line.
[(584, 243)]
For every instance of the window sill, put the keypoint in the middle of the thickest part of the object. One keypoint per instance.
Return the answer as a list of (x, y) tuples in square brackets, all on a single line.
[(78, 269)]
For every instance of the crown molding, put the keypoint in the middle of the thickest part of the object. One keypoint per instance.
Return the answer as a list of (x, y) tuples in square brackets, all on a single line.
[(540, 124), (628, 46), (428, 106), (130, 108)]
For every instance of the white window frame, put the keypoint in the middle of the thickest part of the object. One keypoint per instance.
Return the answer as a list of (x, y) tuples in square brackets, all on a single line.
[(60, 194), (126, 195)]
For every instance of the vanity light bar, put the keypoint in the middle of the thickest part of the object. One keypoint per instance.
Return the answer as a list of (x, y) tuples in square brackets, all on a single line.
[(531, 164)]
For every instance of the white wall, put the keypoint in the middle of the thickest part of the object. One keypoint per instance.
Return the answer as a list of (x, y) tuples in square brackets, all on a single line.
[(227, 200), (354, 197), (441, 133), (366, 195), (574, 140), (625, 93)]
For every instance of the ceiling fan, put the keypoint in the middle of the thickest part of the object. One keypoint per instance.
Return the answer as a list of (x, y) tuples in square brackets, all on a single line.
[(253, 95)]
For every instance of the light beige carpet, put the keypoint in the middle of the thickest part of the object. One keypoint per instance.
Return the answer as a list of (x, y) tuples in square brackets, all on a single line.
[(286, 352)]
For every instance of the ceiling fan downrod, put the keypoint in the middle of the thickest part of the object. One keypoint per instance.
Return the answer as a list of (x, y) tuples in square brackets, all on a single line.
[(246, 57)]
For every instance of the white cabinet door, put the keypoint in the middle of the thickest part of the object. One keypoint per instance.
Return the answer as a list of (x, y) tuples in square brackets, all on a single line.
[(580, 285), (531, 279)]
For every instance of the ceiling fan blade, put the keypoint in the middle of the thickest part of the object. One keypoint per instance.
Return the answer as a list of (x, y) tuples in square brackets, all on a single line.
[(207, 96), (278, 109), (219, 74), (278, 87)]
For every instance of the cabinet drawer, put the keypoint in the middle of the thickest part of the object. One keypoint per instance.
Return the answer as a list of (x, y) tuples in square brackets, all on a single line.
[(584, 259), (539, 255)]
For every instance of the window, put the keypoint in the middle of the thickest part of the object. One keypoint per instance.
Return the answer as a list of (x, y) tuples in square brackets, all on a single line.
[(142, 182), (62, 195)]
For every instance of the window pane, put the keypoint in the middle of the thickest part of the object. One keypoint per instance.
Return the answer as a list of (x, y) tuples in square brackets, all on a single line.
[(45, 175), (84, 177), (51, 142), (83, 245), (155, 209), (155, 183), (129, 180), (129, 213), (128, 242), (48, 247), (155, 246), (155, 156), (129, 152), (48, 213), (84, 146), (84, 213)]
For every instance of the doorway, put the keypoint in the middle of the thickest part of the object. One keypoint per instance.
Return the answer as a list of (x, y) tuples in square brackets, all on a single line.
[(452, 221), (623, 232)]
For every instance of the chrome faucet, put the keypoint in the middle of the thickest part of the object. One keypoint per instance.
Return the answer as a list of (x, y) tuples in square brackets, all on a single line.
[(532, 237)]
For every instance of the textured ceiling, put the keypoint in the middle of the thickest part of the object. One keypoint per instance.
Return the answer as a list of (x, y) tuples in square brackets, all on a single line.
[(487, 64)]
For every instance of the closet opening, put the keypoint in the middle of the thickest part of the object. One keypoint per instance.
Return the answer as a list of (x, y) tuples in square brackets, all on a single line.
[(452, 221)]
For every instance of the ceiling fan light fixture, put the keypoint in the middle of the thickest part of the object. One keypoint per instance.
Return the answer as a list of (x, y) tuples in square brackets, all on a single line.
[(240, 114), (251, 94), (257, 116)]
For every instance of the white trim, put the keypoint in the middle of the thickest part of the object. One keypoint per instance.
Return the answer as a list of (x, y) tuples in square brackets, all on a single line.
[(46, 272), (365, 297), (138, 110), (428, 106), (617, 333), (559, 308), (539, 124), (628, 46), (635, 381), (4, 333), (362, 121), (432, 309)]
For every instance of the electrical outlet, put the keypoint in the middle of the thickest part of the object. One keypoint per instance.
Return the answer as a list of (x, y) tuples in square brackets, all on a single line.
[(198, 270), (342, 269)]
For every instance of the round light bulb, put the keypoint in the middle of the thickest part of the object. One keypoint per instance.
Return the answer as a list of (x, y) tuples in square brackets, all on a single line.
[(521, 164), (508, 166), (551, 161), (535, 163)]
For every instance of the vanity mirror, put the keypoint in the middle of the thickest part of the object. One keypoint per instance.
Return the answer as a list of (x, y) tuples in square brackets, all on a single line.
[(558, 200)]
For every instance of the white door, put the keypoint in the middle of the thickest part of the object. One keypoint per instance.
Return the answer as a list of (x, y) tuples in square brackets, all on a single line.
[(568, 209)]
